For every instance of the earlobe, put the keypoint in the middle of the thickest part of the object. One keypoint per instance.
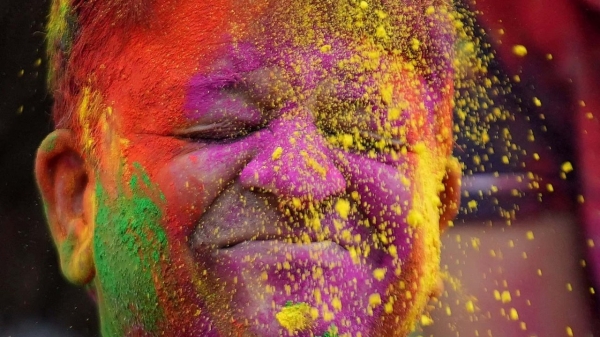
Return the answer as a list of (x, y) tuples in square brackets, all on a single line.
[(450, 196), (64, 181)]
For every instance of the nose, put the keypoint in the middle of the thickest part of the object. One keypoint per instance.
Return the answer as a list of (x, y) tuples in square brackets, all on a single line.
[(294, 161)]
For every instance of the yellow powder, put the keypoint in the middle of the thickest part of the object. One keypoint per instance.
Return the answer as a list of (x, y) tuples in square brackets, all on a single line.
[(470, 307), (336, 303), (388, 308), (326, 48), (342, 206), (296, 317), (381, 32), (277, 153), (346, 140), (426, 320), (567, 167), (374, 300), (529, 235), (506, 298), (497, 295), (414, 218), (569, 331), (519, 50), (379, 274), (472, 204)]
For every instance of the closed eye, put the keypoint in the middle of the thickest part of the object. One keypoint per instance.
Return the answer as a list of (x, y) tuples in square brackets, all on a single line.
[(226, 108), (353, 124), (365, 141), (217, 132)]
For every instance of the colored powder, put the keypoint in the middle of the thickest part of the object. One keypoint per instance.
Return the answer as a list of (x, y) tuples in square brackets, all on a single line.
[(519, 50), (567, 167), (331, 332), (295, 317), (426, 320), (277, 153), (342, 207), (60, 34), (128, 245), (49, 144), (470, 307)]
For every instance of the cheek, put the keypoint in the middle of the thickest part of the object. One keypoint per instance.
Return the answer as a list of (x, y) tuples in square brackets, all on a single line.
[(184, 200), (191, 182), (386, 197), (143, 159), (129, 245)]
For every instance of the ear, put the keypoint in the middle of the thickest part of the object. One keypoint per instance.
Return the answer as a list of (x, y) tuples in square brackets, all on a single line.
[(67, 192), (450, 196)]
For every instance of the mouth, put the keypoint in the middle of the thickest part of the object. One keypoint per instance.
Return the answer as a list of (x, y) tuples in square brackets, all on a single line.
[(277, 246), (235, 242), (242, 218), (292, 238), (262, 255)]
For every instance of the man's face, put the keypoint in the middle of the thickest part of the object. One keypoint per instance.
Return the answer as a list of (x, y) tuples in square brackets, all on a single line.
[(266, 168)]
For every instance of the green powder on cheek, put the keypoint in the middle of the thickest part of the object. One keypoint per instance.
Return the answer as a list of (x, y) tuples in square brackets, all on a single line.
[(129, 245)]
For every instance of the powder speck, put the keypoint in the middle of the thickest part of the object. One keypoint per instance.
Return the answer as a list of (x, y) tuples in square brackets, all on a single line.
[(342, 206), (519, 50), (277, 153)]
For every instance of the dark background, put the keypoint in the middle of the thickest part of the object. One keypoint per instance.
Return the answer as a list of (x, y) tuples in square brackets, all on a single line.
[(35, 300)]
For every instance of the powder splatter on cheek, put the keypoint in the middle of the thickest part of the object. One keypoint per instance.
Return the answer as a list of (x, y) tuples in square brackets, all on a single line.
[(295, 317), (129, 247)]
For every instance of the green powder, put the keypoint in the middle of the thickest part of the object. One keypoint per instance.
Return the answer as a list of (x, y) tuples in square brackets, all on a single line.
[(50, 143), (129, 244)]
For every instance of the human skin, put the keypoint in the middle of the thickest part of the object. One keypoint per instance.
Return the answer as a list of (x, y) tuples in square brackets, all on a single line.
[(253, 168)]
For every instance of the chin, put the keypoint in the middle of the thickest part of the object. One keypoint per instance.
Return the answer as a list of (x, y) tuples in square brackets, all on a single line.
[(283, 289)]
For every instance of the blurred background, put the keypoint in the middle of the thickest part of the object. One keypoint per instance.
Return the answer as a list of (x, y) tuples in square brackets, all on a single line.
[(521, 257), (34, 298)]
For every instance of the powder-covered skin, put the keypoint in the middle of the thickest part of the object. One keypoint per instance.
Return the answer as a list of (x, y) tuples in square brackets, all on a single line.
[(251, 154), (127, 226)]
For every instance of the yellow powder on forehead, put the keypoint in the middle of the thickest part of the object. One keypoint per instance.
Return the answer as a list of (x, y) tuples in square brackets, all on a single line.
[(391, 24)]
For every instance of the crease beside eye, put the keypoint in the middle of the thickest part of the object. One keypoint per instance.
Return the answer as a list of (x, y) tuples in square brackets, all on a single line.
[(374, 137), (215, 131), (198, 129)]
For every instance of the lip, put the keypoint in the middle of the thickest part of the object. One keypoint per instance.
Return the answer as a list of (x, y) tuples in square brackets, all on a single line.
[(275, 251), (240, 215), (291, 238), (277, 245), (278, 230)]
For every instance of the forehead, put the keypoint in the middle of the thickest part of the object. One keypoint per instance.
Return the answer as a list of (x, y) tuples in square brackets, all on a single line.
[(141, 58)]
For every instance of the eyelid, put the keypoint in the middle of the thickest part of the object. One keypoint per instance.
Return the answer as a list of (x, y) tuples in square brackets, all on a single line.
[(215, 131), (373, 138), (197, 129)]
